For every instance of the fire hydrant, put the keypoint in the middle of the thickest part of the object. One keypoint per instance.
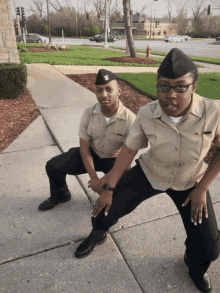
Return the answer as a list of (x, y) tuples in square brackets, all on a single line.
[(148, 50)]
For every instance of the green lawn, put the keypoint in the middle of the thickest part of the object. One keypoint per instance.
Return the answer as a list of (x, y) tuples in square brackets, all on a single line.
[(78, 55), (194, 58), (147, 82)]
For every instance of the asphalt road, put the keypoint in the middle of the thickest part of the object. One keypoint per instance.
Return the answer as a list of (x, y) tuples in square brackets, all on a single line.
[(203, 48)]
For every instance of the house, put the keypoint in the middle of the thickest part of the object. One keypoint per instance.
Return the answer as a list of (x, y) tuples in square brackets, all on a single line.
[(141, 27)]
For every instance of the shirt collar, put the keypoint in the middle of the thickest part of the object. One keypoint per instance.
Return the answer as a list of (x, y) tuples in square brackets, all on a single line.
[(120, 113)]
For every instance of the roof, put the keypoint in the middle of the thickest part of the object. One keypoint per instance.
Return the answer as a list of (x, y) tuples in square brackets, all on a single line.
[(135, 18)]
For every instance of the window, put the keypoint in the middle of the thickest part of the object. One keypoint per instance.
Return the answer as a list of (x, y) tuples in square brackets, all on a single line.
[(164, 33), (122, 32)]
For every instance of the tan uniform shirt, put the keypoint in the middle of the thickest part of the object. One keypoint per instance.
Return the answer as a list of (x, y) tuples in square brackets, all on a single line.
[(176, 157), (107, 138)]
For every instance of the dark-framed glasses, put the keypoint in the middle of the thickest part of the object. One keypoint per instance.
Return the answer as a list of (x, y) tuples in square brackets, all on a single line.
[(179, 88)]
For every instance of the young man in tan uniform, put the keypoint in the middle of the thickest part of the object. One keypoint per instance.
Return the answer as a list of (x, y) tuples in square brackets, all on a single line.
[(103, 130), (180, 127)]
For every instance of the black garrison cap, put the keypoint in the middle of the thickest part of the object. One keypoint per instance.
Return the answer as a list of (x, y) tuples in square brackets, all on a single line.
[(104, 76), (176, 64)]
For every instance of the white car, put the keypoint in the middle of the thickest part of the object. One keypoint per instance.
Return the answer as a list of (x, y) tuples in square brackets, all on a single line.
[(187, 38), (174, 38)]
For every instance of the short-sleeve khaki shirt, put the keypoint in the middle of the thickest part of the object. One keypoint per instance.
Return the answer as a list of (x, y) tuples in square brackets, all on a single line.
[(176, 156), (107, 138)]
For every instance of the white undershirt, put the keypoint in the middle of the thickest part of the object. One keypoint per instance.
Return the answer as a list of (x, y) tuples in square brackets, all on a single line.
[(107, 118), (175, 120)]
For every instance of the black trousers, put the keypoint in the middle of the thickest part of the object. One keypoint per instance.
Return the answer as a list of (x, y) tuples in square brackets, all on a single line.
[(202, 242), (71, 163)]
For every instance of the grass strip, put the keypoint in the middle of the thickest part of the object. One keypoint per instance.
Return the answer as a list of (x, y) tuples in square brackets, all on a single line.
[(208, 83)]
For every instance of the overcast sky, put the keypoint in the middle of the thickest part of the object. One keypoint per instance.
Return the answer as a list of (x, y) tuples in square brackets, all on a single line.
[(159, 7)]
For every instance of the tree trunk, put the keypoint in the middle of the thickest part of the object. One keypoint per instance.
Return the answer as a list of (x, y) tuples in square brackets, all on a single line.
[(127, 22)]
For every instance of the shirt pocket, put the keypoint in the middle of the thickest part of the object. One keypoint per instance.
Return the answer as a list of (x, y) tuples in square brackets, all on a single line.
[(94, 133), (116, 138)]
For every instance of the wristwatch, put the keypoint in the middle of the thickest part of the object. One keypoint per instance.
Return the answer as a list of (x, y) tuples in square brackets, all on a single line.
[(106, 186)]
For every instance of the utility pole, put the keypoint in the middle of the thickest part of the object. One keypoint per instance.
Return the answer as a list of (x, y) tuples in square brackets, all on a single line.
[(48, 14), (106, 14), (151, 17)]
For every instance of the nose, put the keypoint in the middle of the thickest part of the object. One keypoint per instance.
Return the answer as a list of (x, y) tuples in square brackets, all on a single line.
[(104, 93), (171, 93)]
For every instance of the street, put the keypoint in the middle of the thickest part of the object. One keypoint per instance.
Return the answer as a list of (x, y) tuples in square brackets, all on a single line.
[(203, 48)]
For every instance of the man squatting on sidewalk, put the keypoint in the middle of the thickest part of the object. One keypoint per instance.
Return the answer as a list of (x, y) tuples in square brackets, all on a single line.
[(103, 130), (180, 127)]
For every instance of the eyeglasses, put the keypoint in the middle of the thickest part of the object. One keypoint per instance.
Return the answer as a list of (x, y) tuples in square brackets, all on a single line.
[(180, 88)]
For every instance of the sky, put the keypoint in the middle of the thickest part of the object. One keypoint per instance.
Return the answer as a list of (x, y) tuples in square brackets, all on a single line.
[(159, 7)]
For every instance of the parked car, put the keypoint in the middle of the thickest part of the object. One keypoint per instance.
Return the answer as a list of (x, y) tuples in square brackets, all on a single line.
[(31, 38), (174, 38), (117, 37), (101, 38), (187, 38), (218, 39)]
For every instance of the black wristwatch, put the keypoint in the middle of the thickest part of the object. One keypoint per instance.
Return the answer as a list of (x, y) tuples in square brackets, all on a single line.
[(106, 186)]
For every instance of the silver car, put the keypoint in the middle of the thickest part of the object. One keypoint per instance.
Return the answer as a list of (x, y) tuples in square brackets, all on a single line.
[(31, 38), (174, 38)]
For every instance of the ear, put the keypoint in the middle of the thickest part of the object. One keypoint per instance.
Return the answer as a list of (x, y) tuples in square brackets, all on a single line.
[(195, 86)]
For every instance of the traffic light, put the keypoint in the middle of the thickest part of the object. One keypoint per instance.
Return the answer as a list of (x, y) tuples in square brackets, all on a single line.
[(18, 10), (22, 12), (209, 9), (21, 24), (87, 15), (23, 16), (157, 23), (16, 26), (99, 16)]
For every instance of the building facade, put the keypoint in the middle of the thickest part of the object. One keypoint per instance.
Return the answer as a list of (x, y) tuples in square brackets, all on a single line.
[(8, 46), (141, 28)]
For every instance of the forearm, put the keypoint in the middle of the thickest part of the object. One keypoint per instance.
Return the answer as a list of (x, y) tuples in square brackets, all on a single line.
[(88, 163), (122, 163), (211, 172)]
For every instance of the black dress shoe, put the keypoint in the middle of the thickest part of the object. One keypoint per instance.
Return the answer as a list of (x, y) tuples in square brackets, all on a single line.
[(87, 246), (204, 284), (52, 201)]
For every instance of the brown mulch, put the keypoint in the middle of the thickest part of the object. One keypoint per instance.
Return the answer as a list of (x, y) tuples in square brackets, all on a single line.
[(41, 49), (15, 115), (129, 59)]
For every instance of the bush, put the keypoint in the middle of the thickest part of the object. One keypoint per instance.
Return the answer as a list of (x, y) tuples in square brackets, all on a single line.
[(13, 79)]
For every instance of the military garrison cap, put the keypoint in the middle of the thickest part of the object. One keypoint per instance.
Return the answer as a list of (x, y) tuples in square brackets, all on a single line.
[(176, 64), (104, 76)]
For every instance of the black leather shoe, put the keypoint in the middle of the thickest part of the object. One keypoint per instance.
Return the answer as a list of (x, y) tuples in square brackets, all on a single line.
[(52, 201), (204, 284), (87, 246)]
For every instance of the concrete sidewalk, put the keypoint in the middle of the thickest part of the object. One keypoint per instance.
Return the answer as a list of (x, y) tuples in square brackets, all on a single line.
[(37, 248)]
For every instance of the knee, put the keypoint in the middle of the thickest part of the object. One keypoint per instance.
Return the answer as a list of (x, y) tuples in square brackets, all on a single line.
[(50, 166)]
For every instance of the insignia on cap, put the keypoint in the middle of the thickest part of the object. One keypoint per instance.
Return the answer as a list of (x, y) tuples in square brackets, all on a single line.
[(104, 76)]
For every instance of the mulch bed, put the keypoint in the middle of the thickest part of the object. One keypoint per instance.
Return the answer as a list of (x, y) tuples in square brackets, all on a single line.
[(42, 49), (129, 59)]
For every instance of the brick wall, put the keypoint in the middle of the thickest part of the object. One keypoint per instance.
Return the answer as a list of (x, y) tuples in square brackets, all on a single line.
[(8, 47)]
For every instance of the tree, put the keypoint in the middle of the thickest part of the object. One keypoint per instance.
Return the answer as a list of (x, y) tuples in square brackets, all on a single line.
[(181, 20), (95, 29), (127, 22), (197, 13), (169, 9)]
